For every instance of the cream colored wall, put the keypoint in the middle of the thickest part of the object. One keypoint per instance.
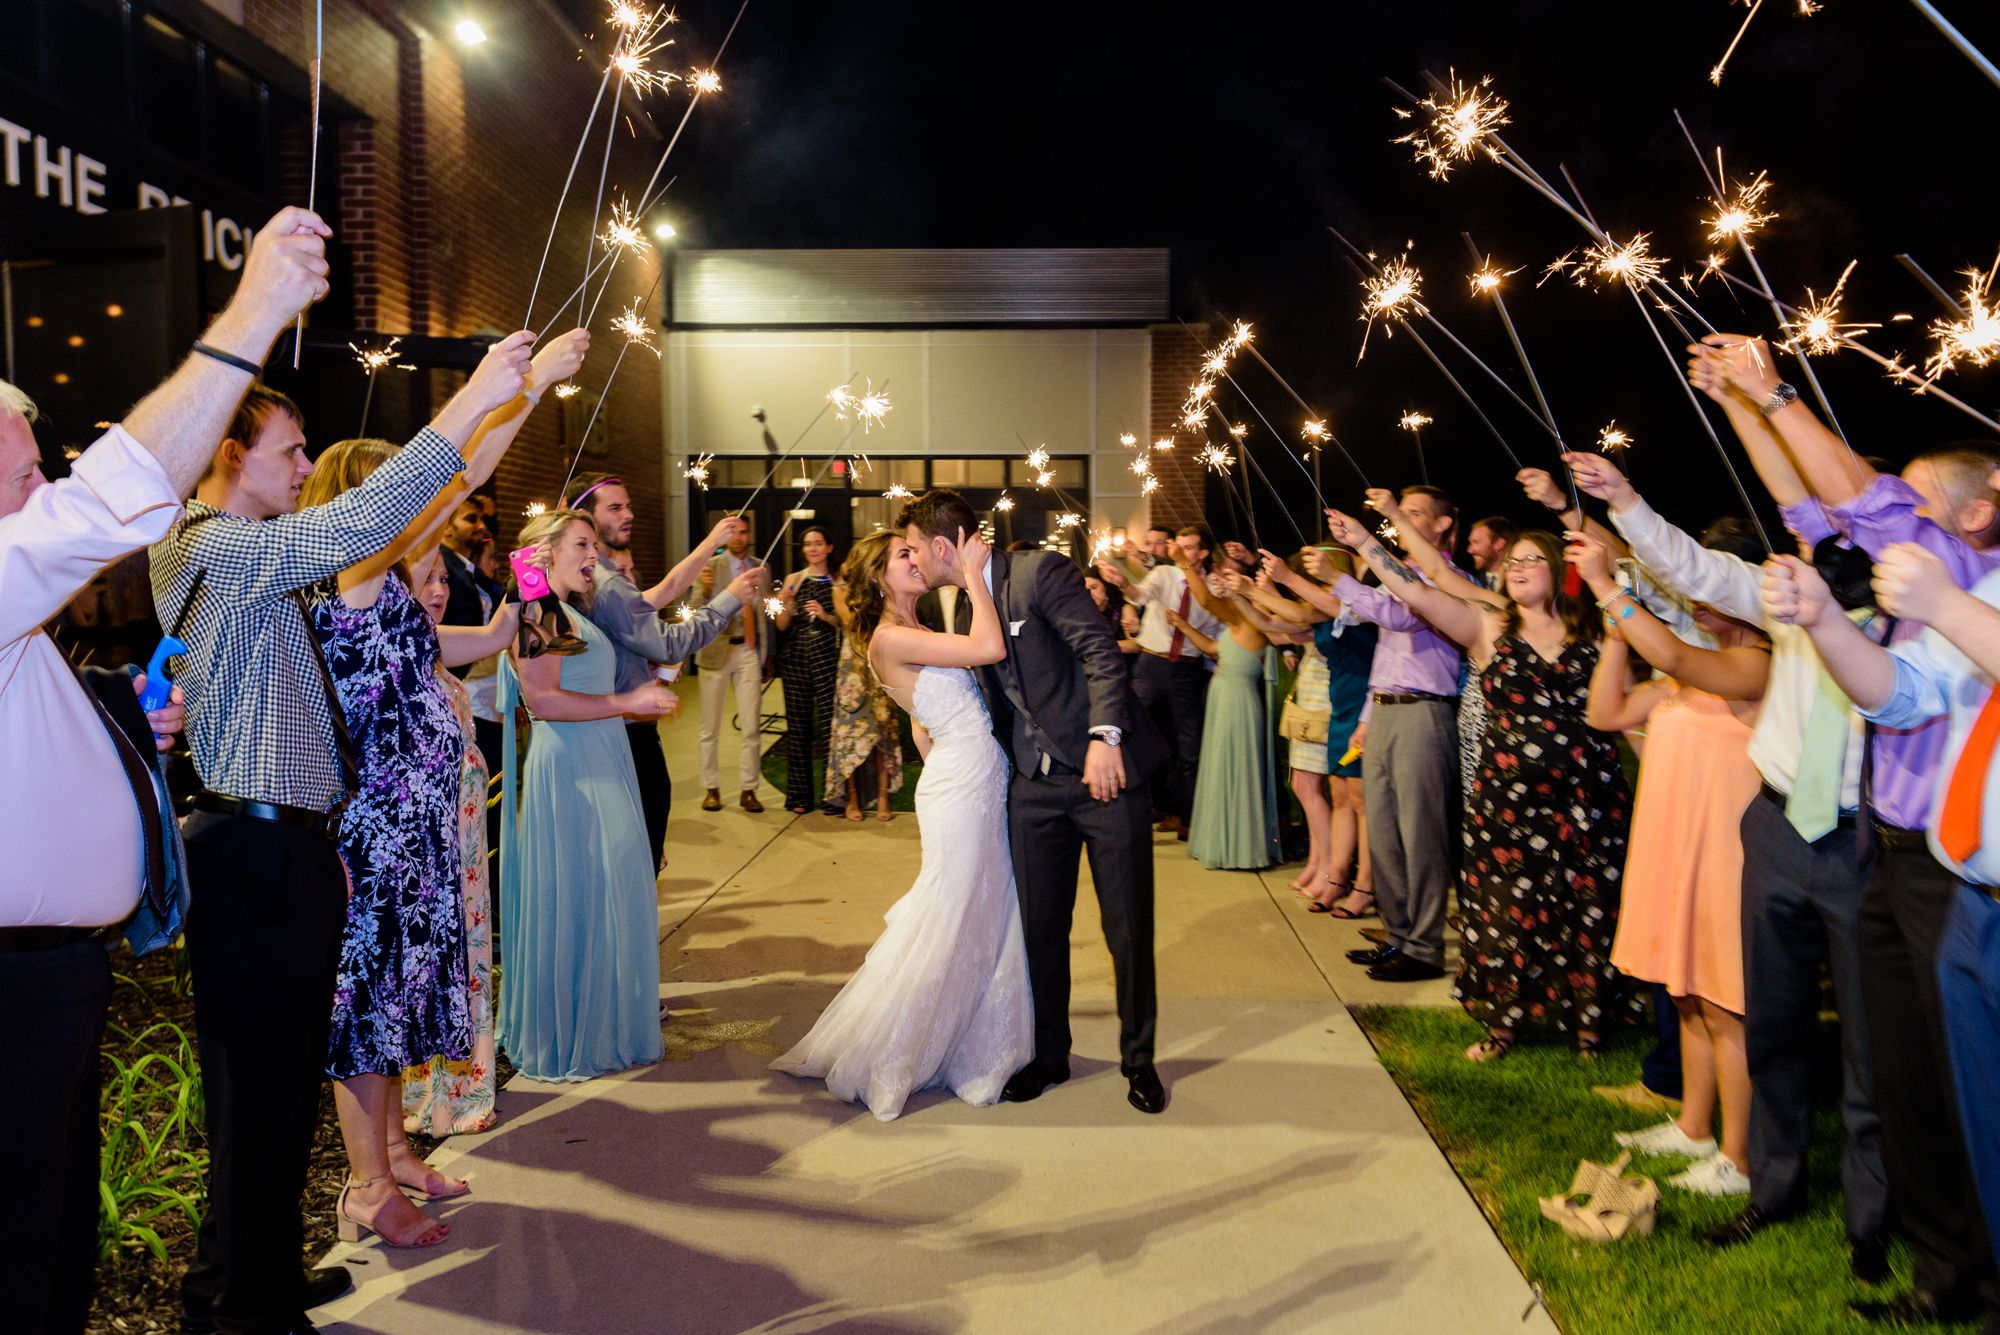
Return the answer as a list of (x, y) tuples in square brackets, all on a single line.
[(954, 393)]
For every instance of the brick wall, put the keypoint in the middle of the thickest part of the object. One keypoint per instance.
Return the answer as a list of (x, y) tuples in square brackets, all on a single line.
[(1176, 363), (445, 195)]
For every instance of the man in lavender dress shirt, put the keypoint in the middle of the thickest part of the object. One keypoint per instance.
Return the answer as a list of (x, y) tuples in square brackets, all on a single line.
[(1946, 503), (77, 838), (1409, 767)]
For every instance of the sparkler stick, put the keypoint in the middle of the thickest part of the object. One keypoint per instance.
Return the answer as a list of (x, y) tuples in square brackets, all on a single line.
[(791, 512), (1944, 298), (780, 462), (375, 360), (1957, 39), (1739, 227), (631, 337), (602, 84), (610, 134), (1313, 416), (1274, 431), (1521, 353), (703, 83), (1715, 75), (1243, 445), (1897, 371), (1446, 372), (1414, 423), (312, 171)]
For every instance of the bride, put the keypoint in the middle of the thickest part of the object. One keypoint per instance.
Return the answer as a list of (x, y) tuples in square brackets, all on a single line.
[(942, 999)]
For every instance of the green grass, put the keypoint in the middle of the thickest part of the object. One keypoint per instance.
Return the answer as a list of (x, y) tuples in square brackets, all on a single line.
[(154, 1165), (1515, 1130)]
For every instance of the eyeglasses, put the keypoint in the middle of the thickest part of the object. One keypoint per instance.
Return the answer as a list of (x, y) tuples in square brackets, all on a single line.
[(1516, 562)]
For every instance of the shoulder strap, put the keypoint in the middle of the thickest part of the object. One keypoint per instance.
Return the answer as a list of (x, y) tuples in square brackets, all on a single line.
[(140, 776), (343, 740)]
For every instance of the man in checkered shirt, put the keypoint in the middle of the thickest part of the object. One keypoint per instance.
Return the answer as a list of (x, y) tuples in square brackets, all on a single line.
[(270, 892)]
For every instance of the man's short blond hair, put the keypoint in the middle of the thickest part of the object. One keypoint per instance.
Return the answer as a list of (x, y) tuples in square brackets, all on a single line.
[(14, 402)]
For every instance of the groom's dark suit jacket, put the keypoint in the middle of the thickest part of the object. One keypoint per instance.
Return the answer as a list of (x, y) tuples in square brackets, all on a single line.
[(1064, 673)]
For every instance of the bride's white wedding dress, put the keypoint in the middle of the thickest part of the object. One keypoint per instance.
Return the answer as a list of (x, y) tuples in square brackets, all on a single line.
[(943, 997)]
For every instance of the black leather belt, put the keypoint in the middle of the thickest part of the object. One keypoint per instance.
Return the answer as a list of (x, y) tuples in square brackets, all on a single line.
[(1410, 697), (1845, 821), (1896, 839), (21, 940), (737, 640), (318, 822)]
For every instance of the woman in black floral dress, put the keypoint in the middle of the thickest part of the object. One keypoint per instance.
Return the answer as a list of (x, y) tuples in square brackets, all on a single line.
[(1548, 809)]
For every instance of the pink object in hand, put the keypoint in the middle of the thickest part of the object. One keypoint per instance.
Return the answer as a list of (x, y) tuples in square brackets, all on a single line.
[(534, 581)]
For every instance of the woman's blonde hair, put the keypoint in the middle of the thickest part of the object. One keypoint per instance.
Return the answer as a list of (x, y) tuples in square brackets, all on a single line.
[(345, 466), (546, 527), (861, 577)]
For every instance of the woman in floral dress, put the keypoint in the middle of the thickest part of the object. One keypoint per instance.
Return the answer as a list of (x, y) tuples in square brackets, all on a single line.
[(864, 718), (1546, 821), (443, 1097)]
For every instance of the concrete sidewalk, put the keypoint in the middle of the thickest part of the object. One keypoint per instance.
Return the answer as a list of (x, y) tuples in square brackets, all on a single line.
[(1288, 1186)]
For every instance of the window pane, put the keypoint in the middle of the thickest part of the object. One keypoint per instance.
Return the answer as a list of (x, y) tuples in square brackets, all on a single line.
[(908, 472), (743, 472), (170, 88), (872, 514), (85, 42), (985, 472), (236, 125), (1069, 472)]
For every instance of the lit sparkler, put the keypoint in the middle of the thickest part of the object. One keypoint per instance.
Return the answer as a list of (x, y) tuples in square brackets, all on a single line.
[(1127, 439), (379, 359), (1743, 214), (534, 508), (1193, 418), (1315, 431), (697, 472), (704, 81), (1633, 262), (871, 408), (1976, 338), (773, 606), (1239, 338), (1390, 294), (1038, 459), (1611, 438), (1414, 421), (1817, 328), (1004, 504), (1216, 457), (1458, 126), (1043, 479), (1068, 519), (1239, 431), (1216, 363), (567, 389), (1164, 443), (1151, 485), (1142, 465), (686, 612), (635, 329), (1487, 279), (897, 492), (623, 230), (1715, 75)]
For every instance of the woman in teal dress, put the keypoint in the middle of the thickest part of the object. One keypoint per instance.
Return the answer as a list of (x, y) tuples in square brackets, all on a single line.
[(1235, 821), (580, 977)]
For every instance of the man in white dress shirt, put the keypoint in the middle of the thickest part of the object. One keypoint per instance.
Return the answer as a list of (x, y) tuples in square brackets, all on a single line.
[(733, 663), (70, 816)]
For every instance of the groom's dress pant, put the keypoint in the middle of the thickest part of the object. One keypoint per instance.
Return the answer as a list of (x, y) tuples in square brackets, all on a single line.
[(1051, 820)]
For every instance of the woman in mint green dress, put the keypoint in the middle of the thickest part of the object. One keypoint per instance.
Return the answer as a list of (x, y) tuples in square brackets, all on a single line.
[(1235, 822), (580, 952)]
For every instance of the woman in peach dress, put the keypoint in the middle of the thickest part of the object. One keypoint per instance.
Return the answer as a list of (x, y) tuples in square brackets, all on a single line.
[(1680, 919)]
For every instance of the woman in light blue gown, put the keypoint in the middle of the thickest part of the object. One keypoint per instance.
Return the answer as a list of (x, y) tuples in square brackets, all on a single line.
[(580, 950)]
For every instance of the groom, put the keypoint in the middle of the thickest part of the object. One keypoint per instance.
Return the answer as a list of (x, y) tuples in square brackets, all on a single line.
[(1082, 750)]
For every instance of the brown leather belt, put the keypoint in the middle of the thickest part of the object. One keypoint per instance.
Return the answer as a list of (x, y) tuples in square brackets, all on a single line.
[(1411, 697), (1184, 658), (22, 940)]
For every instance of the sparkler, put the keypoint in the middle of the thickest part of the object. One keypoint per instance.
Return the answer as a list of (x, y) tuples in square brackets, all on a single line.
[(1414, 423), (635, 329), (897, 492), (1147, 488), (704, 81), (1976, 336), (312, 170), (1608, 261), (867, 408), (623, 232), (1004, 504), (773, 605), (1127, 439), (566, 390), (1068, 519), (697, 472), (1315, 433), (1817, 328), (1611, 438), (1743, 214), (1459, 124), (1487, 280), (1142, 465), (1715, 75), (1390, 294), (374, 360), (686, 612), (1957, 39), (1038, 459), (533, 508), (1216, 457), (1164, 444)]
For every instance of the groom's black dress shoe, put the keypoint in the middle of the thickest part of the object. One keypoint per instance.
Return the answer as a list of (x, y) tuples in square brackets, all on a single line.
[(1743, 1227), (1148, 1094), (1401, 968), (1374, 955), (322, 1286), (1029, 1082), (1915, 1308)]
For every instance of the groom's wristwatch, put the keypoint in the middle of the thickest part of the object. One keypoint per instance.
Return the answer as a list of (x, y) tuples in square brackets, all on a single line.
[(1107, 734)]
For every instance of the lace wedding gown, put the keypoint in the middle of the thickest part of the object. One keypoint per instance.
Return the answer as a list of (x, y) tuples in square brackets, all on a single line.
[(943, 998)]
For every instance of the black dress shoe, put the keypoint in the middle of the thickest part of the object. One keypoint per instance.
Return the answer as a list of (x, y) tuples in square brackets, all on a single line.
[(1401, 968), (1370, 955), (1029, 1082), (322, 1286), (1742, 1228), (1917, 1307), (1869, 1260), (1148, 1095)]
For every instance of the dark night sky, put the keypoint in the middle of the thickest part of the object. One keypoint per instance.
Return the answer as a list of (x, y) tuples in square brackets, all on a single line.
[(1235, 133)]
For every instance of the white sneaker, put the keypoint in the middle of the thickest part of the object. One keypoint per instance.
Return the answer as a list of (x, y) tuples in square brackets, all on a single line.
[(1666, 1139), (1716, 1175)]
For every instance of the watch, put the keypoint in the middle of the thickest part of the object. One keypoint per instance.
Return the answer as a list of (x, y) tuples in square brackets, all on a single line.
[(1110, 736), (1784, 394)]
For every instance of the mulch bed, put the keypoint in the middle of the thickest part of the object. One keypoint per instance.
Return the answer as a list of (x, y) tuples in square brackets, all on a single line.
[(136, 1292)]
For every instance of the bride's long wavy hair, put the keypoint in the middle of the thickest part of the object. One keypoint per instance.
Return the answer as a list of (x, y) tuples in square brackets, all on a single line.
[(861, 578)]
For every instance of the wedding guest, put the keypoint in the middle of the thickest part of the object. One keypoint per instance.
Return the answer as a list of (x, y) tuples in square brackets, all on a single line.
[(807, 658), (864, 718), (1545, 837), (275, 759), (1680, 920), (1235, 819), (83, 813), (738, 661), (1486, 546), (581, 991), (642, 641), (474, 596)]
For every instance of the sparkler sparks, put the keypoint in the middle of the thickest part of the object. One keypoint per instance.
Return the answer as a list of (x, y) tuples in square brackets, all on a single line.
[(1391, 294), (697, 472), (1164, 443), (1488, 279), (704, 81), (623, 230), (1715, 75), (773, 605), (1239, 338), (867, 408), (534, 508), (1817, 328), (1004, 504), (1611, 438), (635, 329), (1142, 465), (1633, 262), (1743, 214), (1068, 519), (566, 390), (1216, 457), (1193, 418), (1458, 126), (1127, 439), (1414, 421), (1239, 431), (1315, 431), (1038, 459), (379, 359), (1043, 479), (897, 492), (1976, 338), (686, 612), (1151, 485)]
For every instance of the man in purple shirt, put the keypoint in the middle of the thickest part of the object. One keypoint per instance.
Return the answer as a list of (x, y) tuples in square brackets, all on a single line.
[(1409, 768), (1944, 501)]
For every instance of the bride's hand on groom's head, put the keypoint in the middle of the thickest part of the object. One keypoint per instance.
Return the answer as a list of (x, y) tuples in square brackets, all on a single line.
[(973, 554)]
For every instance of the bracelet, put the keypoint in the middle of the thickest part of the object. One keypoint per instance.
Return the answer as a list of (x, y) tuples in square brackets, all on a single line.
[(1604, 604), (532, 397), (227, 358)]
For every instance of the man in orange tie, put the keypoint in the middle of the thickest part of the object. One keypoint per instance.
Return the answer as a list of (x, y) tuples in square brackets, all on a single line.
[(1948, 671)]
